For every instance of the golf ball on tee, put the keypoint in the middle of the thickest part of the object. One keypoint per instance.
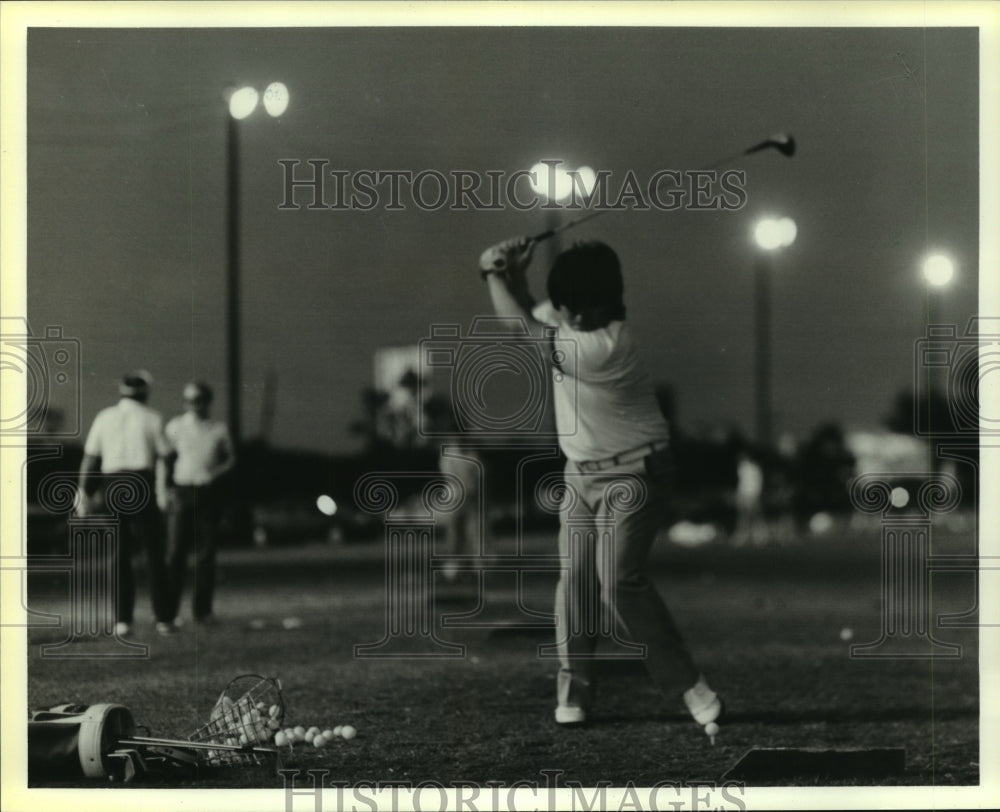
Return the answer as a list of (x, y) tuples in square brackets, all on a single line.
[(712, 729), (348, 732), (280, 738)]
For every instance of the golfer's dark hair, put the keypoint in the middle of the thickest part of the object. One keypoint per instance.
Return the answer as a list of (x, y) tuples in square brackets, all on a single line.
[(587, 275)]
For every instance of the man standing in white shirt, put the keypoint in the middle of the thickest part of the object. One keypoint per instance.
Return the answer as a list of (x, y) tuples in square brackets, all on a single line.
[(201, 451), (126, 441)]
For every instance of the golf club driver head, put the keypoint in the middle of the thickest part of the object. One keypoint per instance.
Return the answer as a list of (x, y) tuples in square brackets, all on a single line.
[(783, 142)]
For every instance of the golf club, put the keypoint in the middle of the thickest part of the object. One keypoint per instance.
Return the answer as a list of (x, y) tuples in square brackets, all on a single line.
[(782, 142)]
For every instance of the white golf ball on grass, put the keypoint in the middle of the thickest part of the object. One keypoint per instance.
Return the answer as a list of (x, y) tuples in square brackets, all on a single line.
[(348, 732)]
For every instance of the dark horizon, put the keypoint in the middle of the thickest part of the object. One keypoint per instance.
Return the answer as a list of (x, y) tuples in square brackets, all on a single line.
[(126, 203)]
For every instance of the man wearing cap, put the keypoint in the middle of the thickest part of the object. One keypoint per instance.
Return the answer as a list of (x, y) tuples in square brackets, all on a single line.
[(126, 444), (200, 452)]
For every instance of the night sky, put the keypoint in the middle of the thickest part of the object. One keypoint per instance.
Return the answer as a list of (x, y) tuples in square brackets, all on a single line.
[(126, 202)]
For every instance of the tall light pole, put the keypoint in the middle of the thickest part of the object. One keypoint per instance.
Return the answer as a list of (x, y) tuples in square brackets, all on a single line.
[(242, 102), (771, 235)]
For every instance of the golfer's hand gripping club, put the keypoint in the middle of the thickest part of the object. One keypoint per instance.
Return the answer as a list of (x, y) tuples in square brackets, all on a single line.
[(510, 256)]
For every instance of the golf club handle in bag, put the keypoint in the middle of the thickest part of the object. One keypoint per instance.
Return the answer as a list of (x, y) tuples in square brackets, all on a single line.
[(74, 740)]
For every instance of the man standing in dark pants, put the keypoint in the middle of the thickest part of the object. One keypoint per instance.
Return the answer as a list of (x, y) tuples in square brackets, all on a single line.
[(201, 451), (126, 445)]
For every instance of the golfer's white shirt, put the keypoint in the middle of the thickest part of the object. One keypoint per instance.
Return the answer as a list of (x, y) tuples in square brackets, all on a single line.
[(202, 446), (127, 437), (603, 397)]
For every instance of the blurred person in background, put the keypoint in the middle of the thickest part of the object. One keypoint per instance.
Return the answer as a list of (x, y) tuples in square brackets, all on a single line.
[(200, 452), (750, 525), (126, 441)]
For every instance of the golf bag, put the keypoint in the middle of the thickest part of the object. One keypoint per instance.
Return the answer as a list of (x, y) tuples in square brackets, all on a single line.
[(69, 742), (74, 741)]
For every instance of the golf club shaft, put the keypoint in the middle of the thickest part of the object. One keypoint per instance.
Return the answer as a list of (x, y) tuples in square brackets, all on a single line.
[(145, 740), (568, 224), (783, 143)]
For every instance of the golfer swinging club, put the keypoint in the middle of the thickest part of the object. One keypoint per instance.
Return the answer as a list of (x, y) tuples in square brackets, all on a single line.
[(620, 432)]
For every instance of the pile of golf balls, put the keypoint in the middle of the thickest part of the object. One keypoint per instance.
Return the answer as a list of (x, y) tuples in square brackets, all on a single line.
[(313, 735)]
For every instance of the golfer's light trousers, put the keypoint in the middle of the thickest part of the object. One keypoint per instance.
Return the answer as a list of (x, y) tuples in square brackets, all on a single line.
[(609, 519)]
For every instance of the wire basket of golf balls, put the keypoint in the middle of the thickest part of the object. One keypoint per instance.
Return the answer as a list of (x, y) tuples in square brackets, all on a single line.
[(243, 721)]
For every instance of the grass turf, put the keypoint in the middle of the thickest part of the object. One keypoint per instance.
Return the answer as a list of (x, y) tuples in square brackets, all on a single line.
[(763, 624)]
